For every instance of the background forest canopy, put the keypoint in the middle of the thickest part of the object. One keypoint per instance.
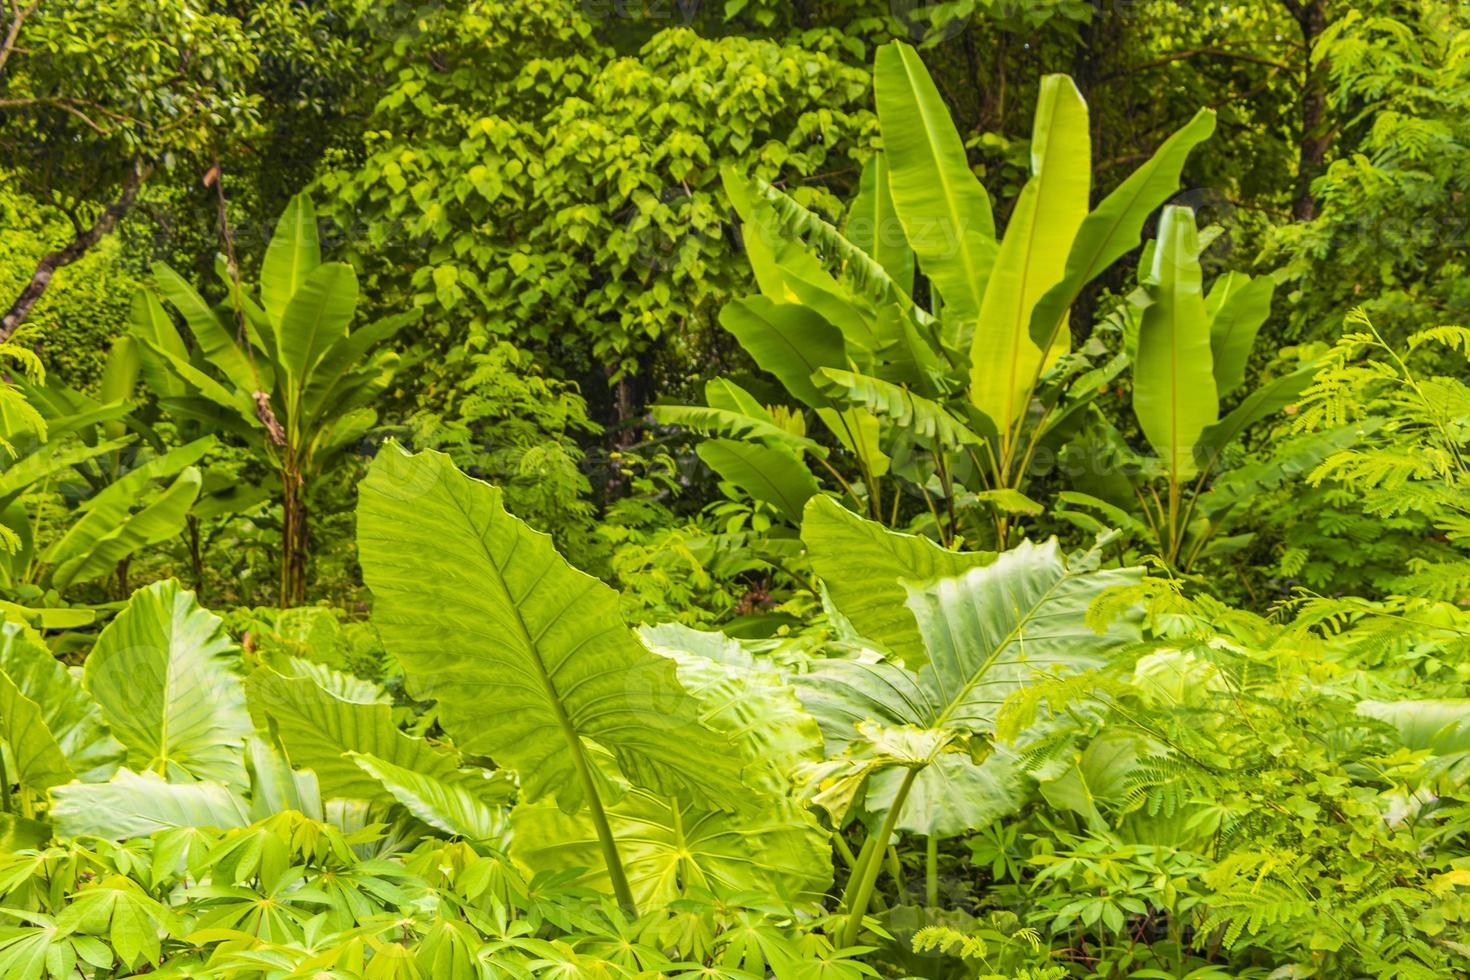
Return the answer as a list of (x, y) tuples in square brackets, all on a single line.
[(971, 489)]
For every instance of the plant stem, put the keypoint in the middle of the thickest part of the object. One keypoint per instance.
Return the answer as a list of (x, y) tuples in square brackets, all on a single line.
[(931, 872), (605, 839), (4, 785), (859, 904)]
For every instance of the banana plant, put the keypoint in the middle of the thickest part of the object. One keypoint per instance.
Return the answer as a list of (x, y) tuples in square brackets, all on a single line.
[(276, 367), (1191, 349), (119, 493), (959, 635), (946, 400)]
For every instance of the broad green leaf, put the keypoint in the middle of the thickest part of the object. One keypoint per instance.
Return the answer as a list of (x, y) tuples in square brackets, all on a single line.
[(455, 803), (671, 848), (788, 340), (161, 518), (1115, 225), (529, 659), (292, 254), (102, 514), (1005, 362), (318, 731), (860, 433), (750, 701), (987, 634), (994, 629), (1237, 311), (161, 672), (1441, 726), (1173, 379), (150, 324), (1264, 400), (138, 804), (275, 786), (863, 564), (873, 224), (770, 474), (33, 759), (338, 373), (316, 319), (67, 710), (953, 795), (216, 340), (944, 209)]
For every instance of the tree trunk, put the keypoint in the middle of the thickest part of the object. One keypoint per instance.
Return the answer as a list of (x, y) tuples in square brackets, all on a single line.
[(1316, 136), (78, 247)]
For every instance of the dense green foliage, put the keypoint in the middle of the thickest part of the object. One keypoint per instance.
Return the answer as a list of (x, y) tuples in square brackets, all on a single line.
[(815, 490)]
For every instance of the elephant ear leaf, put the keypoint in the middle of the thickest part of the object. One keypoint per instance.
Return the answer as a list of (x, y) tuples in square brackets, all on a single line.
[(161, 673), (35, 757), (529, 658), (67, 710), (138, 804), (863, 565)]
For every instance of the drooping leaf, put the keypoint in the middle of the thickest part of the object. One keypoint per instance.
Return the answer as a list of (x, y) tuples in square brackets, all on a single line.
[(159, 520), (457, 804), (873, 224), (788, 340), (319, 731), (138, 804), (529, 659), (770, 474), (161, 673)]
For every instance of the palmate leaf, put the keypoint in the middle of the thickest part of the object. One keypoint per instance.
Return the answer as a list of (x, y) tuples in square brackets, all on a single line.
[(529, 659), (863, 565), (669, 847), (161, 674)]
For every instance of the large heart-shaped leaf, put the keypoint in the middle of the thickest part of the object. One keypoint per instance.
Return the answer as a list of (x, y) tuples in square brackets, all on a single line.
[(529, 659), (161, 672)]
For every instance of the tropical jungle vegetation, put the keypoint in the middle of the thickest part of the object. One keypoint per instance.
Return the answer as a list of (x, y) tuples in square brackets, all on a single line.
[(671, 489)]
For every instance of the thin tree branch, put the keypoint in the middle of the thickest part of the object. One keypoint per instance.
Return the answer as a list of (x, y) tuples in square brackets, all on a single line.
[(78, 247)]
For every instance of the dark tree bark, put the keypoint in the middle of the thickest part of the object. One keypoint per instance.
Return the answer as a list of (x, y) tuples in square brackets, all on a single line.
[(85, 239), (1316, 134)]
